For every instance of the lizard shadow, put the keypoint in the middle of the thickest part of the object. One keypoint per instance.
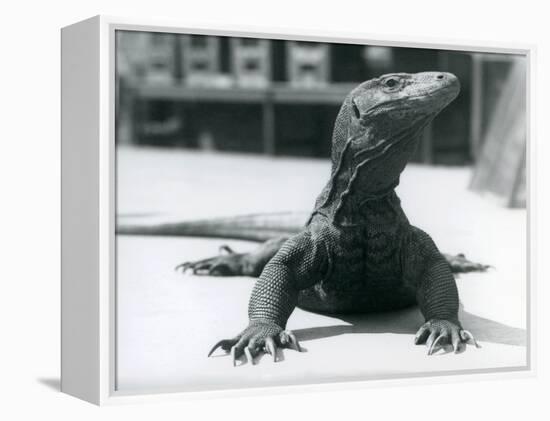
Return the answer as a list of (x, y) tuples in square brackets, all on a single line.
[(407, 321)]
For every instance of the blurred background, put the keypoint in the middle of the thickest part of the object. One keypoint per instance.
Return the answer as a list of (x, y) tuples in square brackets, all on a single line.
[(280, 98)]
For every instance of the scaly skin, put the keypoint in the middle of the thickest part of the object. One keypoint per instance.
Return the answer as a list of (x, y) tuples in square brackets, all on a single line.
[(358, 251)]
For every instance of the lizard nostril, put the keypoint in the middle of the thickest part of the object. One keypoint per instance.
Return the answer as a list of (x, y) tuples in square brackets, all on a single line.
[(440, 76)]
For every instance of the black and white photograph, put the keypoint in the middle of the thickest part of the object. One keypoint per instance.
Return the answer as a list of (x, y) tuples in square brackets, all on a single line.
[(293, 212), (289, 210)]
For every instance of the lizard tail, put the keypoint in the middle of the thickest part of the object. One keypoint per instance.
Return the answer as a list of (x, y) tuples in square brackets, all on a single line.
[(254, 227)]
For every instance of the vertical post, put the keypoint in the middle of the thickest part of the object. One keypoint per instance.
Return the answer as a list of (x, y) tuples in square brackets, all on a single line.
[(518, 198), (136, 118), (124, 111), (476, 106), (268, 126), (426, 145), (179, 111)]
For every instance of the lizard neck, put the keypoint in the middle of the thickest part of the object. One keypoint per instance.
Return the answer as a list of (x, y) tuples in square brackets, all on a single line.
[(375, 134), (359, 177)]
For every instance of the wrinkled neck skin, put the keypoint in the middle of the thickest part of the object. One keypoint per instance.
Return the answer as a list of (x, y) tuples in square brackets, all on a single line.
[(367, 161)]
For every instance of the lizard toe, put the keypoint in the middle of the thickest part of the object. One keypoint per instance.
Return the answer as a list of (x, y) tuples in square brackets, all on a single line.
[(230, 264), (288, 339), (440, 334)]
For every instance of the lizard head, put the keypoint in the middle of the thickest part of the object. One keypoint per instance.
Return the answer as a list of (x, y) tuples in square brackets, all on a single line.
[(396, 106), (376, 133)]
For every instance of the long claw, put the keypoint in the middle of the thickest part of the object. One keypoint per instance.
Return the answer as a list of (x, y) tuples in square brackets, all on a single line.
[(434, 344), (294, 341), (431, 339), (225, 248), (467, 336), (224, 343), (455, 339), (194, 266), (249, 356), (218, 344), (182, 266), (271, 348), (421, 335)]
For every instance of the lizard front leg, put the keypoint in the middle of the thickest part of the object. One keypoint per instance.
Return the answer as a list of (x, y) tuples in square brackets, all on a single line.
[(437, 297), (297, 265)]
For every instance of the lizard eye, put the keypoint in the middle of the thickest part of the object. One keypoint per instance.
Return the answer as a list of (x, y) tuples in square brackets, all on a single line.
[(390, 83), (356, 111)]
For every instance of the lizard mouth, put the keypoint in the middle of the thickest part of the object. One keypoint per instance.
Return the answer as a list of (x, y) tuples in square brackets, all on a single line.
[(446, 91), (434, 98)]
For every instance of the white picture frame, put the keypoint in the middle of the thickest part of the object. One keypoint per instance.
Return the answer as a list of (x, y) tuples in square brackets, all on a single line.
[(88, 207)]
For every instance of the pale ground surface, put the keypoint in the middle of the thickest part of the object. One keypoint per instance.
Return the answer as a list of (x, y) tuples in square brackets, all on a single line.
[(167, 322)]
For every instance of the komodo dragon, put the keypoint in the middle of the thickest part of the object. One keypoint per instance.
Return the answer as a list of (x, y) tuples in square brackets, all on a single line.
[(357, 253)]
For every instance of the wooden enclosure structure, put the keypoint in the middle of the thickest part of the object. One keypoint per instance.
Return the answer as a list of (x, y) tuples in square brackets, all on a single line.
[(284, 95)]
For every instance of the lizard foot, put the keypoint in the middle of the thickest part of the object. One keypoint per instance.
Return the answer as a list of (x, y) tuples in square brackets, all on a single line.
[(228, 263), (437, 334), (260, 335), (460, 264)]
